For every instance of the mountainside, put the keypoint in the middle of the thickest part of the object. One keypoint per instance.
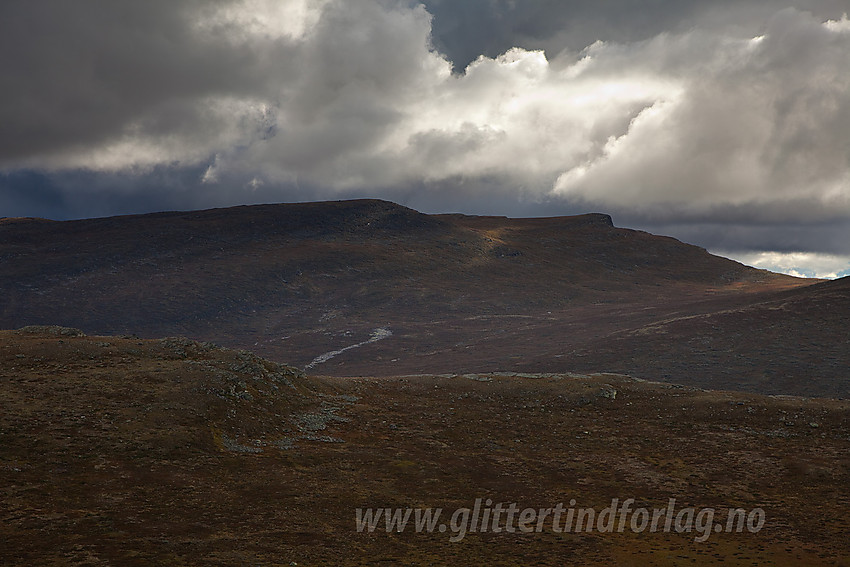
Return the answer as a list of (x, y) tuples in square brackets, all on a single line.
[(791, 341), (372, 288), (120, 451)]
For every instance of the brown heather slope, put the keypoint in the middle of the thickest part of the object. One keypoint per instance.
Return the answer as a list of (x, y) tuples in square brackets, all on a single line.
[(437, 294), (793, 341), (118, 451)]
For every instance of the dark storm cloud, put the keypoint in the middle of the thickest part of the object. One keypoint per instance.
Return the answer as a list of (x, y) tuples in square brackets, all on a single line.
[(679, 116), (79, 73)]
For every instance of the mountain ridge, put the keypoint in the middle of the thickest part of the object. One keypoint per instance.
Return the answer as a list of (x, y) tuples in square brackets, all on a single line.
[(455, 293)]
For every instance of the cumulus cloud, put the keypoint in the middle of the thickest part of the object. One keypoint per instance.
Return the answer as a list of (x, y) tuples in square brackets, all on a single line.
[(800, 264), (687, 116), (761, 125)]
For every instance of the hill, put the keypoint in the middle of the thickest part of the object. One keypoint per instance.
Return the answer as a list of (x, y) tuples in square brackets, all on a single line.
[(121, 451), (373, 288)]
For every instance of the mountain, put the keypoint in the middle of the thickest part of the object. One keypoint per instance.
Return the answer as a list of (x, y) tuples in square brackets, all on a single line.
[(123, 451), (373, 288)]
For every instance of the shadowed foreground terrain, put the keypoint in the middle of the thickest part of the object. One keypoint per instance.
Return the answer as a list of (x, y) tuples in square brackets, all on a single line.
[(372, 288), (121, 451)]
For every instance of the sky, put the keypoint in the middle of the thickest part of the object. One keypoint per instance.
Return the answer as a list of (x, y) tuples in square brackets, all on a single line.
[(723, 123)]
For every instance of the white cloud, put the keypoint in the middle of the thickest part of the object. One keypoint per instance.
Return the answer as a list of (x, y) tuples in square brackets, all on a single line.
[(351, 123), (800, 264), (759, 122)]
